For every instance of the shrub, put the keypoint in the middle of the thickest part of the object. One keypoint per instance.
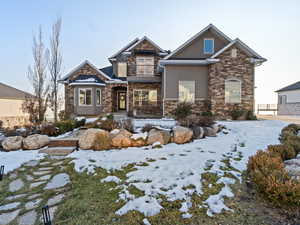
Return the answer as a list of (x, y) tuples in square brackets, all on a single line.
[(293, 141), (286, 152), (110, 116), (208, 113), (251, 116), (62, 115), (1, 124), (80, 122), (147, 127), (182, 110), (65, 126), (193, 120), (50, 130), (236, 113), (127, 124)]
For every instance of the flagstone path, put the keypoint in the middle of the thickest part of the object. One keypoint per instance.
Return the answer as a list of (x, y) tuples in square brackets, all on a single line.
[(26, 190)]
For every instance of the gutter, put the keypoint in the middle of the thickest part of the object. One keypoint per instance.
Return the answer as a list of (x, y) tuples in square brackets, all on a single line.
[(187, 62)]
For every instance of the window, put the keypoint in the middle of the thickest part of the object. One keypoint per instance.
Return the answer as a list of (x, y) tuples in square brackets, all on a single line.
[(122, 69), (234, 53), (186, 91), (85, 96), (232, 91), (145, 97), (98, 96), (144, 65), (209, 47), (282, 99)]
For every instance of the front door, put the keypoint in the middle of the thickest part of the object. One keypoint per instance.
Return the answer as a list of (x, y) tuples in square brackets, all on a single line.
[(121, 100)]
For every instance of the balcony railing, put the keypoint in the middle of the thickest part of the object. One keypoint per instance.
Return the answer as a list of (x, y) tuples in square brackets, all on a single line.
[(142, 70), (147, 108)]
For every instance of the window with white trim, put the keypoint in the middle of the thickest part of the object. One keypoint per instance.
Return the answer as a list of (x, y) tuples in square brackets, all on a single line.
[(85, 96), (145, 97), (233, 89), (186, 90), (98, 96), (122, 69), (208, 46), (282, 99), (144, 65)]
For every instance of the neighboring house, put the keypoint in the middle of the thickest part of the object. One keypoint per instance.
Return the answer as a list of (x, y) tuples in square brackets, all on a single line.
[(210, 69), (289, 100), (11, 100)]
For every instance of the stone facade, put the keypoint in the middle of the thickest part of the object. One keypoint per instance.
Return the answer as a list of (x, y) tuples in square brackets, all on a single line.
[(239, 68), (110, 96)]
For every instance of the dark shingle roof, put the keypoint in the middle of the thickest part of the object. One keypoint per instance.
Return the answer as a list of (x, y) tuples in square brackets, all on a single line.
[(108, 70), (11, 92), (87, 79), (294, 86)]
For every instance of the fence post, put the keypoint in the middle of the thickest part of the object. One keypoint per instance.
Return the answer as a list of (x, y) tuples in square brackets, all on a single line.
[(46, 215)]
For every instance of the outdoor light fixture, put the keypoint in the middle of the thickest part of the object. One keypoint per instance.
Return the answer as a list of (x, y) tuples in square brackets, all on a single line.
[(46, 215), (1, 172)]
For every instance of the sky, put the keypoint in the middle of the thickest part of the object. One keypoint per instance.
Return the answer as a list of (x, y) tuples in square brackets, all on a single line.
[(95, 30)]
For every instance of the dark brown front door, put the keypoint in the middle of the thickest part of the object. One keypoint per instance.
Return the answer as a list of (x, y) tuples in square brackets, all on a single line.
[(121, 100)]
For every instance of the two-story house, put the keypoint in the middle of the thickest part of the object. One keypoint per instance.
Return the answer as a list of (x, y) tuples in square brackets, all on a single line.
[(145, 80)]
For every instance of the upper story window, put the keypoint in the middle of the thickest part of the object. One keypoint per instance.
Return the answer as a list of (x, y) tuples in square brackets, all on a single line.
[(85, 96), (144, 66), (233, 91), (186, 91), (122, 69), (209, 46)]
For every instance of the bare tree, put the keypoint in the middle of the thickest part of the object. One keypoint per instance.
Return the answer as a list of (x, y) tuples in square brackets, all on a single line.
[(55, 63), (37, 75)]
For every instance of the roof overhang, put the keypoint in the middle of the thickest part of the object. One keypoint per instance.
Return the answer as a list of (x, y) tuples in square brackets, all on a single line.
[(188, 62), (86, 84)]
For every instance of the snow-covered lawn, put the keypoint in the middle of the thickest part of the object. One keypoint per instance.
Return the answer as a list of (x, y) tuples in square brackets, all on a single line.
[(174, 171)]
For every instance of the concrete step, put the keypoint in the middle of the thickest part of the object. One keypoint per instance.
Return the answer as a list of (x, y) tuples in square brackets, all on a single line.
[(58, 151), (63, 143)]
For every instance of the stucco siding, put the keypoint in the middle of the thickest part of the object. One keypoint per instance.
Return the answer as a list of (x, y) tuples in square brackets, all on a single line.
[(11, 107), (291, 96), (173, 74), (195, 48)]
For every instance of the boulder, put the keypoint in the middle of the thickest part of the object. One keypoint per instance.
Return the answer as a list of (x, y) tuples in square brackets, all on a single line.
[(120, 138), (139, 140), (161, 136), (216, 128), (182, 135), (12, 143), (198, 132), (210, 132), (96, 139), (35, 141)]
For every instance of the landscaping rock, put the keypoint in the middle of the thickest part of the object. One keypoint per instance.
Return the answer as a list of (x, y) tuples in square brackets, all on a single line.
[(198, 132), (210, 132), (13, 197), (139, 140), (46, 177), (35, 141), (32, 163), (121, 139), (28, 218), (12, 143), (16, 185), (29, 178), (55, 200), (39, 173), (216, 128), (32, 204), (59, 180), (96, 139), (161, 136), (35, 184), (58, 151), (9, 206), (33, 196), (182, 134), (6, 218)]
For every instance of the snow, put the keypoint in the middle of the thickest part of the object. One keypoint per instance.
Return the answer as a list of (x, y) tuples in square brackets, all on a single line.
[(156, 144), (111, 179), (146, 222), (115, 131), (183, 165), (87, 80), (13, 160), (162, 123), (139, 135)]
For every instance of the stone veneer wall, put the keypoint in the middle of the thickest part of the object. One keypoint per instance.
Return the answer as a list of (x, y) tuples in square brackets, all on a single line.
[(170, 105), (240, 68), (109, 96), (155, 110)]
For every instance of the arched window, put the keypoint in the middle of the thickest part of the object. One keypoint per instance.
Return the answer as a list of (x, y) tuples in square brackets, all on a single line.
[(233, 91)]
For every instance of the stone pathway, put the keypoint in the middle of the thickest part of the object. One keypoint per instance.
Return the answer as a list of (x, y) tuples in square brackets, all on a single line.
[(32, 186)]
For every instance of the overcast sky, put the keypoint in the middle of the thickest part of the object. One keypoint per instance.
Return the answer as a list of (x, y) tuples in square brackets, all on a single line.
[(95, 30)]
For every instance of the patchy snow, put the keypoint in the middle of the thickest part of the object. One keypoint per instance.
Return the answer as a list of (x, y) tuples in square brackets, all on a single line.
[(146, 222), (174, 167), (162, 123), (111, 179), (87, 80), (115, 131), (156, 144), (13, 160), (139, 135)]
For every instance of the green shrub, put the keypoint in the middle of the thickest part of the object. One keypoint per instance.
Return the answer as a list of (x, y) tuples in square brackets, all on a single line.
[(183, 110), (65, 126), (50, 130), (286, 152), (237, 113), (80, 122), (250, 116), (109, 124)]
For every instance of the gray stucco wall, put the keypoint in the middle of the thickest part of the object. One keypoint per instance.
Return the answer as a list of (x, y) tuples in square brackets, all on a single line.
[(88, 110), (289, 109), (173, 74), (195, 48)]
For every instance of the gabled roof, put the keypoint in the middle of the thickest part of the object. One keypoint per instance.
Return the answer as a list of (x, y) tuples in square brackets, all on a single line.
[(86, 62), (108, 70), (9, 92), (124, 48), (242, 45), (294, 86), (210, 26), (143, 39)]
